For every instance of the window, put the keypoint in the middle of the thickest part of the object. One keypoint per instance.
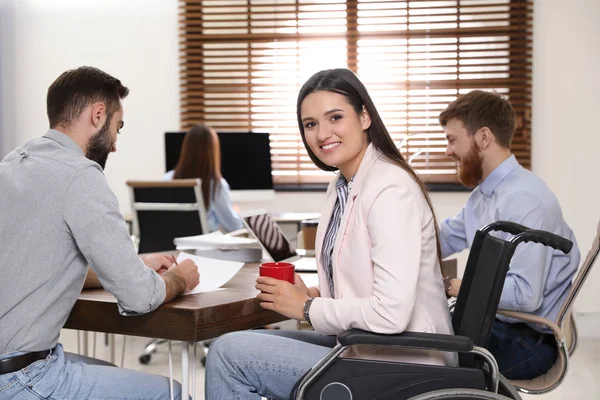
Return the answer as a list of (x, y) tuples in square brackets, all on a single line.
[(243, 63)]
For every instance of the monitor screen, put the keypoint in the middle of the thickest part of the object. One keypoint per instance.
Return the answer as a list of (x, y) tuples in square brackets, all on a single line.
[(245, 158)]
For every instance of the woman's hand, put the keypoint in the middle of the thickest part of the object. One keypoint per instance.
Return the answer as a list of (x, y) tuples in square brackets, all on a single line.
[(283, 297), (310, 291)]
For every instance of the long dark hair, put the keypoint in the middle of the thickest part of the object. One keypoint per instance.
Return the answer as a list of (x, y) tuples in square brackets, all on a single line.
[(200, 158), (345, 82)]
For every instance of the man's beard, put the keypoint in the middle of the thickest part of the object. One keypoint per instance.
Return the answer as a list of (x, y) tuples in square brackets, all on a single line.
[(100, 145), (471, 171)]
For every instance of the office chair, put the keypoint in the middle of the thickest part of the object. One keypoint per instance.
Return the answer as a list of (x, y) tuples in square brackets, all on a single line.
[(563, 329), (163, 211), (476, 377)]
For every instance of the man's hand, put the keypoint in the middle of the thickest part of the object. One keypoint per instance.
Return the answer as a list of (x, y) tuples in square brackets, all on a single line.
[(161, 263), (181, 278), (454, 287), (187, 271), (283, 297)]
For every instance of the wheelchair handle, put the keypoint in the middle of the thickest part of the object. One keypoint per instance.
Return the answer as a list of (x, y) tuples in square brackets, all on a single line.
[(545, 238), (525, 234), (505, 226)]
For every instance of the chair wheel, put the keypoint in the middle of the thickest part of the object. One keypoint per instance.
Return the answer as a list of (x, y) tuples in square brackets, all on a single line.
[(145, 359)]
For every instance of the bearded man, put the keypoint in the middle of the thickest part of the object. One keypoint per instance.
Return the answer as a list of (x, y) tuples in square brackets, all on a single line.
[(58, 217), (479, 127)]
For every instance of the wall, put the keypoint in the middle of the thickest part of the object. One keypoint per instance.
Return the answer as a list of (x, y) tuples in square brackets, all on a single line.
[(566, 100), (7, 73), (134, 40), (137, 41)]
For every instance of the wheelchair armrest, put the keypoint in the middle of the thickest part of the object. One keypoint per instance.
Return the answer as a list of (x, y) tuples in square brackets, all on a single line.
[(418, 340)]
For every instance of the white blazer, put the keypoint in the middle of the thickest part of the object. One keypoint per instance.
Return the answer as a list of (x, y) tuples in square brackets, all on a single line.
[(386, 272)]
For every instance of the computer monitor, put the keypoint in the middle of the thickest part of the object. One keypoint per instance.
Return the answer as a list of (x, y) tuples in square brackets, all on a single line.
[(245, 158)]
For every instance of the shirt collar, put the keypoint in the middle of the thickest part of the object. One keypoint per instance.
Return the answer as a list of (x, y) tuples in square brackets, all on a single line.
[(341, 181), (63, 140), (490, 183)]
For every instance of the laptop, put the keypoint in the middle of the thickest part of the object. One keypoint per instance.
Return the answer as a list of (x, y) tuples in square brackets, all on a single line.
[(274, 243)]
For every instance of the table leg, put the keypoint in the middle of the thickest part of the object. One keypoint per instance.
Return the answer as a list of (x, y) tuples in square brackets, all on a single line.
[(123, 351), (85, 343), (185, 370), (194, 371), (111, 339), (170, 370)]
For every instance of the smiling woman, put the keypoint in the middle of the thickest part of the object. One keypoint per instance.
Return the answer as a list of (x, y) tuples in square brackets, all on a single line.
[(377, 253)]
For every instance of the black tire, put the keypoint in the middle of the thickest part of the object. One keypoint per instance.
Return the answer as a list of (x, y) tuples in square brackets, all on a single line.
[(460, 394), (145, 359)]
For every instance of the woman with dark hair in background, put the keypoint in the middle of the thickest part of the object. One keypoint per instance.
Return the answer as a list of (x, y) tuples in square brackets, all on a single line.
[(377, 252), (201, 158)]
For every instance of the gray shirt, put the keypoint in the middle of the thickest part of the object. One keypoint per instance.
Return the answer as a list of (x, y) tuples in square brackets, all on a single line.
[(57, 216)]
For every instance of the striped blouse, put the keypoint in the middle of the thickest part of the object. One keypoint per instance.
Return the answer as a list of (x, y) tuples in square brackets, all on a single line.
[(343, 188)]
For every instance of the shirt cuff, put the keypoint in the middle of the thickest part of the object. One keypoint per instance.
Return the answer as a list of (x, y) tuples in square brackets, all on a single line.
[(157, 297)]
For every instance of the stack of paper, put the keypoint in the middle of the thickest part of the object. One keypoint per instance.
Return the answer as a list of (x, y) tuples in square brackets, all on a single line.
[(215, 240), (213, 273), (222, 247)]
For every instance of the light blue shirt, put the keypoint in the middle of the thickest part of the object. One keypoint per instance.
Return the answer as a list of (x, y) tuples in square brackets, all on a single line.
[(539, 277), (220, 211)]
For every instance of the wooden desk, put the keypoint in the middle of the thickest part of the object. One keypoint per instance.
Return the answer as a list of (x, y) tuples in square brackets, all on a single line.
[(189, 319)]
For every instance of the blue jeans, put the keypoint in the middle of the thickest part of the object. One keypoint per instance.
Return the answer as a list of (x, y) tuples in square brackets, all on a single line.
[(251, 364), (67, 376), (522, 352)]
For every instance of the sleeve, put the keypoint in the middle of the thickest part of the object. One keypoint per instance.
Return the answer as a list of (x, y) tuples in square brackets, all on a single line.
[(453, 237), (395, 229), (524, 284), (222, 207), (92, 215)]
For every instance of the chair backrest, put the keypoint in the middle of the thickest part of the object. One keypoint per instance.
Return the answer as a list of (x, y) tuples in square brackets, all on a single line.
[(557, 373), (165, 210), (580, 278), (480, 290)]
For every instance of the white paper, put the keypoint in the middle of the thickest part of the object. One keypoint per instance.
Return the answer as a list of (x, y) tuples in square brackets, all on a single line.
[(213, 273)]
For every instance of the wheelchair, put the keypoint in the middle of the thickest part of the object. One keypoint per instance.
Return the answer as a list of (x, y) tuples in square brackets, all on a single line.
[(476, 376)]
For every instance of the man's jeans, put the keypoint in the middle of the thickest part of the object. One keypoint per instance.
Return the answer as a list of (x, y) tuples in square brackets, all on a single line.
[(522, 352), (66, 376)]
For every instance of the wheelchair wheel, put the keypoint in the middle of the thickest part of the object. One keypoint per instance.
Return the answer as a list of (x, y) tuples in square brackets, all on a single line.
[(460, 394), (506, 389)]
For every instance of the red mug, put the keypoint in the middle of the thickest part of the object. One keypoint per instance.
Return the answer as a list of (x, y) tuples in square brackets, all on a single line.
[(279, 270)]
